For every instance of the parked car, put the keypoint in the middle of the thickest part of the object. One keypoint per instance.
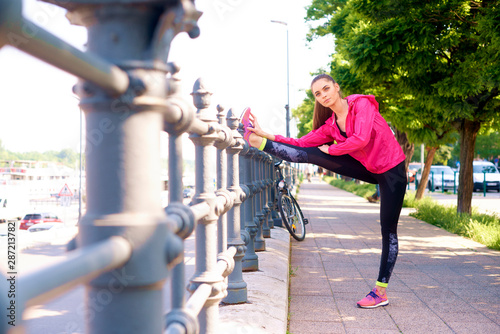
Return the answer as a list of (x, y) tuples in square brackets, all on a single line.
[(440, 178), (45, 227), (413, 168), (36, 218), (482, 170)]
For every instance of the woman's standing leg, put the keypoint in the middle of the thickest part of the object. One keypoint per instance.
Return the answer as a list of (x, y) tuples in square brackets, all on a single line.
[(392, 191), (392, 185)]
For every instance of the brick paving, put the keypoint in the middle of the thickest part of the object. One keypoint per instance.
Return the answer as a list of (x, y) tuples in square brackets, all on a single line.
[(442, 283)]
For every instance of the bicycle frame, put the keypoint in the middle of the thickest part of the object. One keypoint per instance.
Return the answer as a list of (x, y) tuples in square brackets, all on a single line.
[(281, 184)]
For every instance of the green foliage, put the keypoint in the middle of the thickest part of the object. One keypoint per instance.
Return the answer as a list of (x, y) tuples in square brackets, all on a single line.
[(322, 11), (362, 190), (433, 62), (432, 65), (488, 145), (479, 227), (411, 202), (66, 156), (304, 114), (443, 154)]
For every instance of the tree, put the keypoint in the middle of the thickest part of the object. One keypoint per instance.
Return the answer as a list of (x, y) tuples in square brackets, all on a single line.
[(304, 114), (66, 156), (438, 59), (488, 145), (399, 109)]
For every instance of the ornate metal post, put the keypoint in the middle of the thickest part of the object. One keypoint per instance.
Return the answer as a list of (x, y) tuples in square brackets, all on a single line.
[(206, 230), (123, 91), (250, 260), (289, 175), (270, 186), (274, 213), (260, 243), (123, 110), (266, 230), (175, 188), (222, 185), (237, 287)]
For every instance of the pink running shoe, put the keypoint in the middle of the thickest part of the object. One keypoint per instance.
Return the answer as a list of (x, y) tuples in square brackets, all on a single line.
[(373, 300), (245, 119)]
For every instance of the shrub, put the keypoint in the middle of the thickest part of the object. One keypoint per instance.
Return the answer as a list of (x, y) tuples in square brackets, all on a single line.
[(363, 190)]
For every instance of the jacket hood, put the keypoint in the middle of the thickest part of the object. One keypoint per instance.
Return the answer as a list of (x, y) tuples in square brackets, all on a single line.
[(371, 98)]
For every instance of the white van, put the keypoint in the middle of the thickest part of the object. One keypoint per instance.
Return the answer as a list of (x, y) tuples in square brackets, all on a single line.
[(12, 206), (484, 170)]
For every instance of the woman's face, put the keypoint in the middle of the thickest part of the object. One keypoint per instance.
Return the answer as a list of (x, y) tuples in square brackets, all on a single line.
[(326, 92)]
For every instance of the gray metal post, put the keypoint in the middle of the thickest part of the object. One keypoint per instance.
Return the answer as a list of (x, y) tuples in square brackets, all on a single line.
[(221, 184), (123, 173), (123, 169), (266, 230), (123, 93), (237, 287), (260, 243), (206, 230), (270, 187), (289, 175), (274, 198), (250, 260), (178, 117), (175, 188)]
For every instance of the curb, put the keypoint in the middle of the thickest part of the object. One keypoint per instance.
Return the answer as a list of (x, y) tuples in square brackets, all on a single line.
[(267, 308)]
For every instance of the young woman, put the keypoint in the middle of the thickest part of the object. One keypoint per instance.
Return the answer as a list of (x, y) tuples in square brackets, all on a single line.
[(364, 147)]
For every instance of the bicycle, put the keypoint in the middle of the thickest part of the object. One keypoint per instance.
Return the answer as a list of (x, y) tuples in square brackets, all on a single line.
[(289, 209)]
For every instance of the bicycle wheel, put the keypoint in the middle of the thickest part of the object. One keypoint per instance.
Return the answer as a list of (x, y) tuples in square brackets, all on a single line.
[(292, 216), (299, 210)]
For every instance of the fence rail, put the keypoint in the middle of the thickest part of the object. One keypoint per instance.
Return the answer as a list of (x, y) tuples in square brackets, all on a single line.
[(127, 246)]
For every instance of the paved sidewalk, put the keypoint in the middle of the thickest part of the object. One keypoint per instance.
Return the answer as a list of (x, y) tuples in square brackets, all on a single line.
[(442, 283)]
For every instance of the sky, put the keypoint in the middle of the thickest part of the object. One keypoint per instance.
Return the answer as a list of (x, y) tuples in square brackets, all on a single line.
[(240, 54)]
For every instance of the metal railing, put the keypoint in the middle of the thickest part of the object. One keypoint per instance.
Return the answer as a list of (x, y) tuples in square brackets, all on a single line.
[(436, 182), (127, 246)]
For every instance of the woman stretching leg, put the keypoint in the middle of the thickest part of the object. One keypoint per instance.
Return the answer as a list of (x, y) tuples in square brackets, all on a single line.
[(365, 149)]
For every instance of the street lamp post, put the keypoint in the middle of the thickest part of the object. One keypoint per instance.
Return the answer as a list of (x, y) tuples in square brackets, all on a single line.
[(287, 107), (80, 176)]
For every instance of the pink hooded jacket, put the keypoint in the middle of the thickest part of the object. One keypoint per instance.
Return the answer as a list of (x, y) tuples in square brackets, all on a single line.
[(369, 140)]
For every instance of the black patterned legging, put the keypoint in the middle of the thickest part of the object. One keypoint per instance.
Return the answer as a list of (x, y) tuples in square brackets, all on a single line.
[(392, 186)]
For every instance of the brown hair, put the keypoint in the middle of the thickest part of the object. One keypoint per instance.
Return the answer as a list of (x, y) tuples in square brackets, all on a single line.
[(321, 114)]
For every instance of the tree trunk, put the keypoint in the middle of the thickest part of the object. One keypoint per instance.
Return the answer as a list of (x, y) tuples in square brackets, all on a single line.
[(468, 132), (431, 151), (408, 148)]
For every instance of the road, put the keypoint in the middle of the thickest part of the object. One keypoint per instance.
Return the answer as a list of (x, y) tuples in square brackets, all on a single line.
[(487, 204)]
